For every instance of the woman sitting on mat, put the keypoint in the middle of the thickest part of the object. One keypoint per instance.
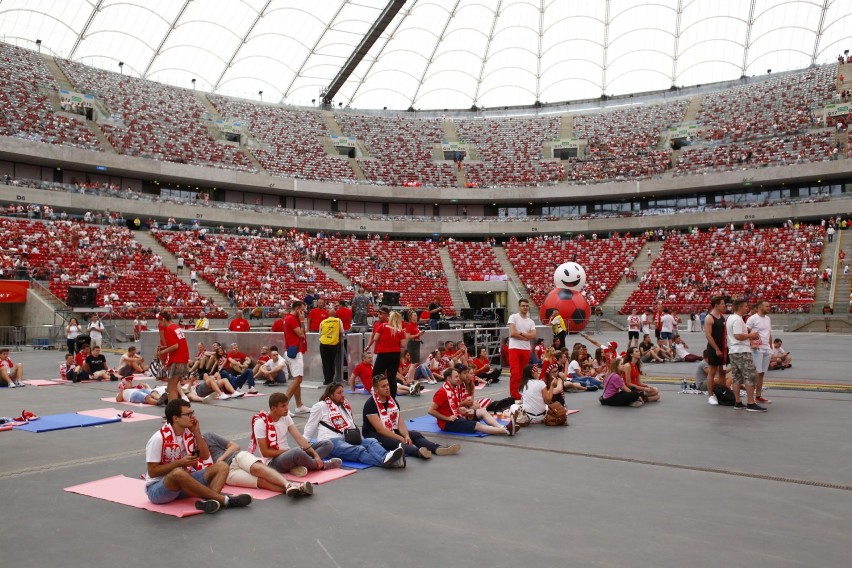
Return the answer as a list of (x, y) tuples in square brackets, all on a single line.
[(615, 392), (536, 393), (632, 375)]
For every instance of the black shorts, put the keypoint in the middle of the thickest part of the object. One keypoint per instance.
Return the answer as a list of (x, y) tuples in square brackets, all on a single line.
[(632, 335), (714, 360), (461, 426)]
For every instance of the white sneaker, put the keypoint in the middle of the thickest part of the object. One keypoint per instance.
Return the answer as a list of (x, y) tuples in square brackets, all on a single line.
[(303, 410), (238, 394), (224, 396), (711, 400)]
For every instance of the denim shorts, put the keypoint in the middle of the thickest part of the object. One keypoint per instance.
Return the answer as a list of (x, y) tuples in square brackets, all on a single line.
[(158, 494)]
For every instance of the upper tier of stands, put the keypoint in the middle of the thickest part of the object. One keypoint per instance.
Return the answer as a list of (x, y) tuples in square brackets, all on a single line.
[(768, 108), (511, 151), (290, 140), (779, 265), (154, 120), (257, 271), (412, 268), (401, 149), (25, 109), (129, 278), (473, 260), (605, 262)]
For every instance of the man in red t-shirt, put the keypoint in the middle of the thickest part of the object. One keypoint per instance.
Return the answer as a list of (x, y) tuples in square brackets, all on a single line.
[(316, 315), (237, 360), (412, 331), (452, 417), (344, 312), (295, 344), (173, 352), (239, 323), (384, 314), (363, 371)]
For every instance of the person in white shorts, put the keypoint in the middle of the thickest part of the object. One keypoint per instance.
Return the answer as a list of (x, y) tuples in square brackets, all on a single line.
[(761, 350)]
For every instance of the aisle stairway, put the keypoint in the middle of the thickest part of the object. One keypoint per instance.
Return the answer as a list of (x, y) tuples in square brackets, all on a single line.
[(459, 299), (616, 299), (510, 271)]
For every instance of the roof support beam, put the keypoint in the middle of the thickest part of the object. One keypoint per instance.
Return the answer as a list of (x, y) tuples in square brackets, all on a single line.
[(165, 39), (385, 18), (82, 33), (819, 32), (605, 51), (486, 54), (676, 41), (432, 56), (747, 43), (242, 43)]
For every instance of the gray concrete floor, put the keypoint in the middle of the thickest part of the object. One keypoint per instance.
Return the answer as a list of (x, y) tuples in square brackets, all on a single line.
[(670, 484)]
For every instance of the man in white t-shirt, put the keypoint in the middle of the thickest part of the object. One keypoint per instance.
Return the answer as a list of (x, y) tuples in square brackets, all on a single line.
[(272, 371), (96, 330), (761, 353), (645, 320), (634, 326), (269, 434), (739, 355), (521, 332), (179, 464), (667, 324)]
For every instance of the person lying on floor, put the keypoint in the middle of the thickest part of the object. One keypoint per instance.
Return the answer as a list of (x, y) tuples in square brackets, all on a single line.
[(139, 394), (382, 421), (247, 470), (179, 464)]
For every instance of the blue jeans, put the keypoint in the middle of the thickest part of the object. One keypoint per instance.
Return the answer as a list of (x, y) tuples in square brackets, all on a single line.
[(246, 376), (586, 381), (369, 452), (159, 494)]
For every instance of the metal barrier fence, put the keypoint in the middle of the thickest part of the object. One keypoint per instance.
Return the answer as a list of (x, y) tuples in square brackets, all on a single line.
[(35, 336), (9, 336)]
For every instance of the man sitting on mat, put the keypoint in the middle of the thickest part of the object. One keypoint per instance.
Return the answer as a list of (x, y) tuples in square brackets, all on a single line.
[(382, 422), (12, 374), (269, 433), (452, 417), (179, 464), (247, 470), (131, 363)]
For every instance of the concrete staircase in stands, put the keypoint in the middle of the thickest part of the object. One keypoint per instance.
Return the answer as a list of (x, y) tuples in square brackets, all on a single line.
[(510, 271), (616, 299), (459, 299)]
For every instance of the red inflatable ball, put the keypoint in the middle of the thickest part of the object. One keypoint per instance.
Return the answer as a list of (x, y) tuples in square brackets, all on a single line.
[(572, 306)]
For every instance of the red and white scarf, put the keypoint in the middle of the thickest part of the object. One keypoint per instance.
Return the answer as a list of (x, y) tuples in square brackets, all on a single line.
[(172, 450), (337, 418), (388, 413), (454, 397), (271, 433)]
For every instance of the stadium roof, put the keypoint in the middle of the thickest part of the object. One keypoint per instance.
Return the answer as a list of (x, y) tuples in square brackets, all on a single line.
[(434, 54)]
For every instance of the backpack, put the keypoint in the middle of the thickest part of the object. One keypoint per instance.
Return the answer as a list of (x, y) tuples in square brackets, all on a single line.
[(556, 415), (724, 395)]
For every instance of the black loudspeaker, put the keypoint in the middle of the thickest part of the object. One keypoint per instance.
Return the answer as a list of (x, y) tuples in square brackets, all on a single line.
[(390, 298), (82, 296)]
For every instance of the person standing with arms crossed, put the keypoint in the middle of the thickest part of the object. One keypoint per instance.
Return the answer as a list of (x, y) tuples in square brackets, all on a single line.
[(173, 351), (714, 330), (521, 332)]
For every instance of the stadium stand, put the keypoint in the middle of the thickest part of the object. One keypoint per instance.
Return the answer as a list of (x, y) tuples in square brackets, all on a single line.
[(412, 268), (401, 149), (605, 260), (474, 260), (154, 120), (780, 265), (260, 271), (511, 151), (290, 140), (25, 109)]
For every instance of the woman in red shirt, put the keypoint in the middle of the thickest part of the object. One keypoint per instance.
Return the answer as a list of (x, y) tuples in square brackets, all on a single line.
[(388, 339), (632, 374), (482, 368)]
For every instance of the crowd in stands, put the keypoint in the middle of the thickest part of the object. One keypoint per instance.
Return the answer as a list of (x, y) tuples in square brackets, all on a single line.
[(769, 108), (780, 265), (624, 143), (474, 260), (252, 270), (26, 88), (400, 149), (778, 151), (412, 268), (130, 280), (290, 140), (605, 260), (154, 120), (510, 150)]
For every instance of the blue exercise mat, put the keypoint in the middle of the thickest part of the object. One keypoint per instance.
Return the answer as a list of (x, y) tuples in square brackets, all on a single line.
[(64, 421), (355, 465), (429, 424)]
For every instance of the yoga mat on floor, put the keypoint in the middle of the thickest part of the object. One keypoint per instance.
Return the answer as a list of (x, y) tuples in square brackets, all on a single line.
[(247, 395), (321, 476), (64, 421), (429, 424), (115, 413), (357, 391), (256, 493), (5, 428), (111, 399), (42, 382), (131, 492), (64, 382), (355, 465)]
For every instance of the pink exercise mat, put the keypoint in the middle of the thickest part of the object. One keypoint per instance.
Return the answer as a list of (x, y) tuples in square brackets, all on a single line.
[(113, 412), (321, 476), (131, 492)]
